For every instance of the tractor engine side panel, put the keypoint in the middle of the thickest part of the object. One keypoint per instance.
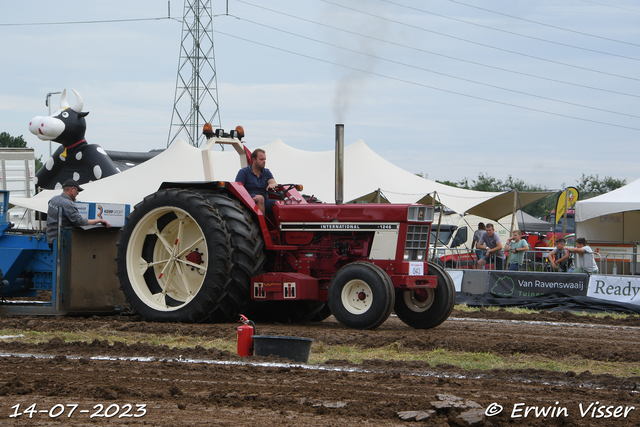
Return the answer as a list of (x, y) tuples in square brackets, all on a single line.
[(325, 253)]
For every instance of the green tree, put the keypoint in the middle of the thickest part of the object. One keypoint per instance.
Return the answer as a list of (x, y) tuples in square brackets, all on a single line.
[(592, 186), (9, 141)]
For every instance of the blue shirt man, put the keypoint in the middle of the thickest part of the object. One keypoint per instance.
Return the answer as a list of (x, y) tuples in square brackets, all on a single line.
[(257, 179)]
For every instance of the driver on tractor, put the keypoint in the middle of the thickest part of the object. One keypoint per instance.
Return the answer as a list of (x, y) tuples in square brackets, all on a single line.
[(257, 180)]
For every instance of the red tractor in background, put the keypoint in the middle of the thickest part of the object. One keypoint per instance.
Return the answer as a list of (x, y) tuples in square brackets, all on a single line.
[(203, 251)]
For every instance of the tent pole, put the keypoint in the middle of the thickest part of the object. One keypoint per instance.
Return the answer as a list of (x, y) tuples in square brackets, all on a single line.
[(435, 244), (513, 212), (566, 208), (378, 196)]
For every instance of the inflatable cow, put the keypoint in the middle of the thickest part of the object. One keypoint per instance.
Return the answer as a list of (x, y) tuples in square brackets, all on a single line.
[(75, 159)]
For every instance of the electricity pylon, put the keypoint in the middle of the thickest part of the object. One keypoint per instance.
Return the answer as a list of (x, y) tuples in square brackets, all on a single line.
[(196, 93)]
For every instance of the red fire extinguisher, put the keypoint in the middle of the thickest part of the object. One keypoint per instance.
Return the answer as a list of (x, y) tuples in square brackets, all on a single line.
[(245, 343)]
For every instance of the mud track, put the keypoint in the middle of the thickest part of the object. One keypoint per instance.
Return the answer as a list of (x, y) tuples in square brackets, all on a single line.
[(200, 386)]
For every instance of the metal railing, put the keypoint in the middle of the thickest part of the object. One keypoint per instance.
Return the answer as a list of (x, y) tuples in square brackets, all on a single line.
[(619, 264), (615, 263)]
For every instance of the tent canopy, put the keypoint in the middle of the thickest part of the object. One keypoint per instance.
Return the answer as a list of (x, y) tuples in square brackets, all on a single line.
[(366, 173), (611, 217), (532, 224), (623, 199)]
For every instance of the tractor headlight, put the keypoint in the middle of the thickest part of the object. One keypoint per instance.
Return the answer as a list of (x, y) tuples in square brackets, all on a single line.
[(420, 255), (407, 255)]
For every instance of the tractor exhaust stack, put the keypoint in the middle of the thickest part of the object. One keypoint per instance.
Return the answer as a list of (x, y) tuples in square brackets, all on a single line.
[(339, 164)]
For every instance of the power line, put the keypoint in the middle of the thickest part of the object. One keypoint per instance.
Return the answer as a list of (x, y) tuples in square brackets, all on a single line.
[(438, 54), (609, 5), (25, 24), (510, 32), (478, 43), (434, 72), (421, 84), (546, 25)]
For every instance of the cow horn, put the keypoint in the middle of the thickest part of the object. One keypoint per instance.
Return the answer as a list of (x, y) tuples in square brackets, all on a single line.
[(79, 103), (63, 100)]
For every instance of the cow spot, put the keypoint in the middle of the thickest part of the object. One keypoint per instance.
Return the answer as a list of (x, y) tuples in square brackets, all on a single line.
[(35, 180), (101, 151), (79, 155), (97, 170), (118, 169), (58, 186), (64, 159), (76, 176), (49, 164)]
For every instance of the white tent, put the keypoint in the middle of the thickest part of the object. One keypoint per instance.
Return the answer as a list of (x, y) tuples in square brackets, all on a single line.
[(365, 173), (532, 224), (611, 217), (179, 162)]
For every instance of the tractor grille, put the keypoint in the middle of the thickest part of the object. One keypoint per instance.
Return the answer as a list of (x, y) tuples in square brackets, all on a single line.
[(417, 242)]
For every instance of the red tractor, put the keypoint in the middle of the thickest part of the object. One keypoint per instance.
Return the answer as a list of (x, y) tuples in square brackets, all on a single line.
[(203, 251)]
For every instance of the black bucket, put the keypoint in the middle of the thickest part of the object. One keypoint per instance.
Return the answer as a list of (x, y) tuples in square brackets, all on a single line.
[(294, 348)]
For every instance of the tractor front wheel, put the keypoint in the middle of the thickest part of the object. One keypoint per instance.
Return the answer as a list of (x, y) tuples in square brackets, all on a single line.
[(361, 296), (427, 308)]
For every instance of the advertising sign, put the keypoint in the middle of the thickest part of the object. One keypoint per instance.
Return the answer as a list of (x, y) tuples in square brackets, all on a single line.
[(615, 288), (114, 213), (566, 200), (522, 284), (83, 209)]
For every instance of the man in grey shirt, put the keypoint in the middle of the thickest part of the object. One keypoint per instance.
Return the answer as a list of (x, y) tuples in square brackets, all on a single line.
[(70, 214)]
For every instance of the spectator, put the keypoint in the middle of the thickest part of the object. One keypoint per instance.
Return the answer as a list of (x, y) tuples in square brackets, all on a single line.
[(476, 239), (516, 247), (491, 243), (585, 260), (560, 256)]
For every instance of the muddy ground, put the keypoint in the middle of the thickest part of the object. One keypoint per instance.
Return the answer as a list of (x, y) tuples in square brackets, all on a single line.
[(165, 387)]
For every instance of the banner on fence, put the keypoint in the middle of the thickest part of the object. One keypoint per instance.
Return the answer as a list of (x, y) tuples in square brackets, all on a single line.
[(456, 276), (615, 288), (525, 284)]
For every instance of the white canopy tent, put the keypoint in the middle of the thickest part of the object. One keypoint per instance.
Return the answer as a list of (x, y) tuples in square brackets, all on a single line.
[(611, 217), (366, 175)]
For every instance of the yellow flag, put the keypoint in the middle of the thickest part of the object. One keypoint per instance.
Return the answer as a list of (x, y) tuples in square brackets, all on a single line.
[(572, 192)]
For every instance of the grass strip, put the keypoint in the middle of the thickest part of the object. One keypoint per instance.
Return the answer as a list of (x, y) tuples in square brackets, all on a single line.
[(321, 352), (519, 310)]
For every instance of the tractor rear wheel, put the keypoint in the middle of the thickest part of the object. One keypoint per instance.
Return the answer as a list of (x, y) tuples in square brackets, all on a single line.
[(174, 257), (361, 295), (427, 308), (249, 256)]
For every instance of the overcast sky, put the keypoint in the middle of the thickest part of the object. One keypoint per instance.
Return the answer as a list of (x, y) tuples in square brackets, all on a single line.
[(543, 91)]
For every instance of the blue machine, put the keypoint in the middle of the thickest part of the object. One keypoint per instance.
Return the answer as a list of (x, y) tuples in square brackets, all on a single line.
[(28, 265)]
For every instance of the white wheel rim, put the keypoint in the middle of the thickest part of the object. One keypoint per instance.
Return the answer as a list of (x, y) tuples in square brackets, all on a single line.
[(356, 297), (179, 278), (421, 304)]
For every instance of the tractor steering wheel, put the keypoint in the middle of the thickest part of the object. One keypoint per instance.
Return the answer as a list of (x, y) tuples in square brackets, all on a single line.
[(281, 193)]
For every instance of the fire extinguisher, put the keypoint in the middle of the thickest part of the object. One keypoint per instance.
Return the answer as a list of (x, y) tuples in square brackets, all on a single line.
[(245, 343)]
